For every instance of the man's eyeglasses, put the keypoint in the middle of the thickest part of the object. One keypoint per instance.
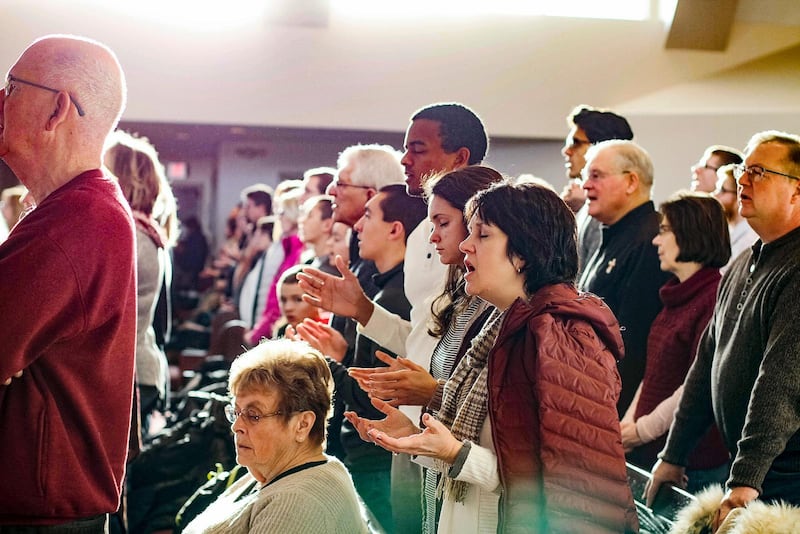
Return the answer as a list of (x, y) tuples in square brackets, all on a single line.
[(13, 79), (251, 418), (337, 183), (706, 166), (575, 143), (596, 176), (757, 172)]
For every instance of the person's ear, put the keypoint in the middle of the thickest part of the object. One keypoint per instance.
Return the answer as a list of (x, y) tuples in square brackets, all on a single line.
[(397, 231), (303, 425), (60, 112), (462, 157), (371, 193), (518, 263), (632, 184)]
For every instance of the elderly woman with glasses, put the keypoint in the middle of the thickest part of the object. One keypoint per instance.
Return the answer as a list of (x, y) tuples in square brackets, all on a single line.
[(281, 399)]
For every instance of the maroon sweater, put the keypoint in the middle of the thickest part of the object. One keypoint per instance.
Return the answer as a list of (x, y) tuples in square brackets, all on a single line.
[(671, 348), (68, 319)]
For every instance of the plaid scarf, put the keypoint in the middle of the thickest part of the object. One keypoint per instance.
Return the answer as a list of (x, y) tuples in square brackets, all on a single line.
[(465, 399)]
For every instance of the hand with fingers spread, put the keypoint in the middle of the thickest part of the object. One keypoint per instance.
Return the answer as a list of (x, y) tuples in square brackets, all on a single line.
[(18, 374), (395, 424), (436, 441), (664, 473), (737, 497), (341, 295), (402, 383), (322, 337)]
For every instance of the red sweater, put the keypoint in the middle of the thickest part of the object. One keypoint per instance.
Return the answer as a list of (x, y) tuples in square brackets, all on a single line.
[(68, 319), (671, 348)]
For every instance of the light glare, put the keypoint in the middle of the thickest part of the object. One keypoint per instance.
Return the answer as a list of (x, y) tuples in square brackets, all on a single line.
[(619, 9), (200, 15)]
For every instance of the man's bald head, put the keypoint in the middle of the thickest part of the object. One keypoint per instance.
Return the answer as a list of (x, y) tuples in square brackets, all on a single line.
[(88, 70)]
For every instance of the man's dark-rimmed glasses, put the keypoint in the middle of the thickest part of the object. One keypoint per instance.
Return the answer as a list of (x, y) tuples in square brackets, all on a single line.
[(13, 79)]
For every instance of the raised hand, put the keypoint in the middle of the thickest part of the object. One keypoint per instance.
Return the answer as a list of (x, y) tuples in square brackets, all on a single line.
[(322, 337), (402, 383), (341, 295), (395, 423), (436, 441)]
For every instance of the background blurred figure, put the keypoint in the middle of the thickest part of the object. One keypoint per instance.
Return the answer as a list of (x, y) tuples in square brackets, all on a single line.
[(135, 164), (256, 203), (281, 399), (284, 252), (314, 230), (704, 172), (12, 204), (587, 126), (294, 310), (191, 252), (316, 182), (340, 241), (255, 286), (692, 244), (13, 208), (742, 234)]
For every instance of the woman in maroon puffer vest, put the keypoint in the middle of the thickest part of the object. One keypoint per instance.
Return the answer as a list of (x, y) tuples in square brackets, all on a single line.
[(527, 436)]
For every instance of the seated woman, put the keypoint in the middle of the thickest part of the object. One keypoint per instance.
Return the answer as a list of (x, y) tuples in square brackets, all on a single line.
[(527, 436), (693, 244), (281, 398)]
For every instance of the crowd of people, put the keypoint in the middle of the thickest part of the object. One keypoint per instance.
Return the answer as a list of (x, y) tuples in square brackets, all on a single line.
[(423, 338)]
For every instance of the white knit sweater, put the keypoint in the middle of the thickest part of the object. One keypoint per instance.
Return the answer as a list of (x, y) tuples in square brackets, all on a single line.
[(319, 499)]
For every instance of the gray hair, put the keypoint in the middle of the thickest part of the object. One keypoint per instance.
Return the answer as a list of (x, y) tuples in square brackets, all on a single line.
[(790, 141), (374, 165), (628, 157)]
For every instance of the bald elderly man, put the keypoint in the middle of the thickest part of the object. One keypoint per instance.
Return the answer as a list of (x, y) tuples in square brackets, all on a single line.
[(68, 294)]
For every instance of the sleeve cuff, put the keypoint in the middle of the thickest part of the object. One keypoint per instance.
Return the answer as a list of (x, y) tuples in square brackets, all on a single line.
[(461, 458), (436, 401)]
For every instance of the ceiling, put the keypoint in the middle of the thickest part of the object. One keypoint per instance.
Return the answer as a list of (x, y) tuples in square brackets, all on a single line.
[(315, 69)]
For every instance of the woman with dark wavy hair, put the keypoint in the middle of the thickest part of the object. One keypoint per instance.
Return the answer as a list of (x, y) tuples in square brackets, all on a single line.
[(527, 436), (455, 316)]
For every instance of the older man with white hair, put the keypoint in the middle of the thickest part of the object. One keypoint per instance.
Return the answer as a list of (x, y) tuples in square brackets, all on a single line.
[(624, 271)]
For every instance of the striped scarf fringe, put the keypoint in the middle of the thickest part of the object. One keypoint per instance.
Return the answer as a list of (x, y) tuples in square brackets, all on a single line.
[(465, 400)]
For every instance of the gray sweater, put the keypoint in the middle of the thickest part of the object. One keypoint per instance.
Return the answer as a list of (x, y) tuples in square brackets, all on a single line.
[(320, 499), (747, 373)]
